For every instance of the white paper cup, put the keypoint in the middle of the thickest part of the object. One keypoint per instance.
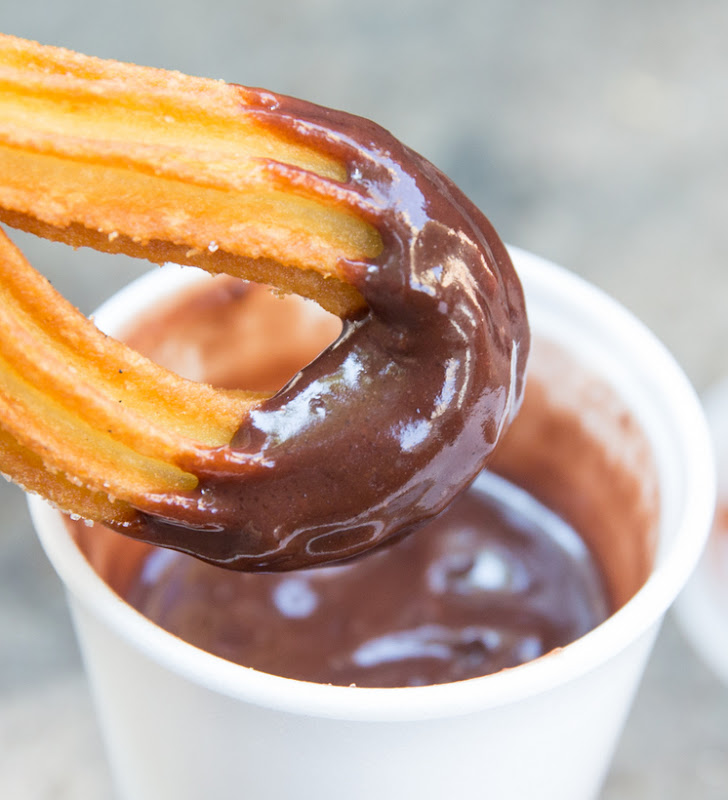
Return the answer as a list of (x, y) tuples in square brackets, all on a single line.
[(180, 723)]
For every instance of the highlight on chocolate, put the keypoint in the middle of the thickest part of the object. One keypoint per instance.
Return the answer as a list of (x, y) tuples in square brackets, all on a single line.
[(371, 439)]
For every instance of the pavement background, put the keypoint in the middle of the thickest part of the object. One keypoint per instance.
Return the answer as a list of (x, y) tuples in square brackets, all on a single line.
[(592, 133)]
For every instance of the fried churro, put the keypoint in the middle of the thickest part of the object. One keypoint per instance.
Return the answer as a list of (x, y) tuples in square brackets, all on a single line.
[(371, 439)]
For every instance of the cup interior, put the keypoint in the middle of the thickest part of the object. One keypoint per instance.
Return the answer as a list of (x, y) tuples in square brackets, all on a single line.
[(610, 436)]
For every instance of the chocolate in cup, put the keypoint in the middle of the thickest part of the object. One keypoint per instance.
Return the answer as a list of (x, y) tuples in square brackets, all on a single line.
[(611, 436)]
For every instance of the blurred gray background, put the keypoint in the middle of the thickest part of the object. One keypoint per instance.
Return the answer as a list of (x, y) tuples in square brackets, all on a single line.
[(593, 133)]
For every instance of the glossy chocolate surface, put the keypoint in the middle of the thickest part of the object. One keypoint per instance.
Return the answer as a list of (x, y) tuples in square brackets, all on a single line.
[(382, 430), (495, 581)]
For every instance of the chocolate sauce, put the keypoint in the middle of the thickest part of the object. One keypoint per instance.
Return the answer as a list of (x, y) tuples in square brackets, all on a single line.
[(394, 419), (495, 581)]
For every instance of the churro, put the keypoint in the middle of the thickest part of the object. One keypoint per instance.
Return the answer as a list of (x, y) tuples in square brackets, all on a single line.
[(374, 437)]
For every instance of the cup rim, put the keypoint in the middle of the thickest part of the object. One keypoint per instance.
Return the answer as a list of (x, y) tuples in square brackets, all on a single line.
[(668, 386)]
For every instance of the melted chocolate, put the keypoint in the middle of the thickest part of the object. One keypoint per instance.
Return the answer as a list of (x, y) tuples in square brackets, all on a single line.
[(495, 581), (394, 419)]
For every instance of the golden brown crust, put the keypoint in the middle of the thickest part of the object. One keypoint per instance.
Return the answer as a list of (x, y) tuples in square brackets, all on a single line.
[(170, 168), (90, 407), (336, 297), (161, 166), (28, 470)]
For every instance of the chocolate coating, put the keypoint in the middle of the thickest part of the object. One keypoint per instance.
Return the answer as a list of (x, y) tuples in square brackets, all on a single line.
[(495, 581), (383, 429)]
